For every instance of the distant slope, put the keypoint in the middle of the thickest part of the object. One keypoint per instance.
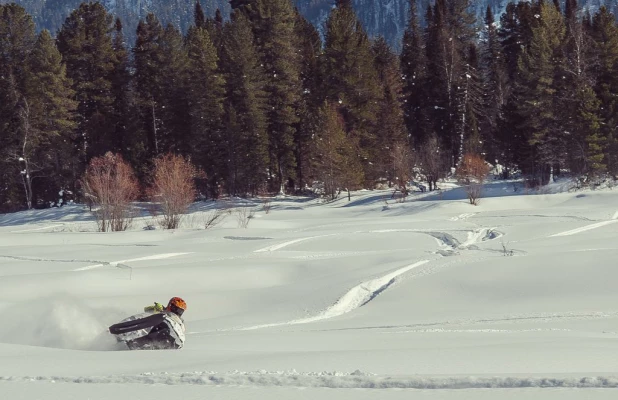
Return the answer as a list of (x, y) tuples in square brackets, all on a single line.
[(386, 18)]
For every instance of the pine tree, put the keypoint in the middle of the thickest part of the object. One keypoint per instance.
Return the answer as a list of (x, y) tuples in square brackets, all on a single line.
[(173, 68), (449, 34), (310, 48), (272, 22), (206, 93), (161, 75), (570, 10), (512, 136), (470, 105), (85, 43), (440, 77), (538, 65), (588, 128), (47, 122), (122, 105), (605, 35), (148, 58), (245, 109), (17, 39), (515, 33), (496, 90), (336, 163), (578, 111), (414, 74), (214, 27), (392, 130), (199, 18), (351, 79)]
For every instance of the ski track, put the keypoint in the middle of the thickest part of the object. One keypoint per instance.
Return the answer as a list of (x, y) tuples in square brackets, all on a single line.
[(114, 263), (585, 228), (335, 380), (480, 235), (246, 238), (37, 229), (509, 319), (367, 291), (443, 330), (286, 244), (444, 239), (23, 258), (462, 217), (356, 297)]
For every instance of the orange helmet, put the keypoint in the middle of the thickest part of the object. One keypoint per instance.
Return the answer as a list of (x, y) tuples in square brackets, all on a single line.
[(176, 305)]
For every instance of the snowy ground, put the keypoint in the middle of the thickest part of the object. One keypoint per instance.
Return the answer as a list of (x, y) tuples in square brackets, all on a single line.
[(348, 300)]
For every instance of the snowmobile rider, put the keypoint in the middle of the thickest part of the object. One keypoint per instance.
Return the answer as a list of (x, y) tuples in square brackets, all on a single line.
[(176, 305)]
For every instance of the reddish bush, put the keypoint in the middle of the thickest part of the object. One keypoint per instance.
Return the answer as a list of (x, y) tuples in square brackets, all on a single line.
[(403, 162), (472, 172), (110, 186), (173, 188)]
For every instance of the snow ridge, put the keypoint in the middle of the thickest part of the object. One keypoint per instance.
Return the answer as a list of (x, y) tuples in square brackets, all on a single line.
[(585, 228), (356, 379), (356, 297)]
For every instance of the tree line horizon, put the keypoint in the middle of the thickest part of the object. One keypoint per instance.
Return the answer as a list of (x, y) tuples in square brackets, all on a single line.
[(260, 104)]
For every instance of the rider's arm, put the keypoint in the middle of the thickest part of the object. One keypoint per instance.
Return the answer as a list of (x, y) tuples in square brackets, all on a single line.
[(157, 307)]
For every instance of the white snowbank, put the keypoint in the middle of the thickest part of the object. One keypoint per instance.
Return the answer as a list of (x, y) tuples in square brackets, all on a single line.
[(338, 380)]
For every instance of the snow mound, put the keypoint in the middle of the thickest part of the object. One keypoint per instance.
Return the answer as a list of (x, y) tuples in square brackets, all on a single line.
[(335, 380)]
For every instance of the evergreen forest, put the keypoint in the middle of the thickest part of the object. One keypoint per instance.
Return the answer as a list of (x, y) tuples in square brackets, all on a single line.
[(262, 103)]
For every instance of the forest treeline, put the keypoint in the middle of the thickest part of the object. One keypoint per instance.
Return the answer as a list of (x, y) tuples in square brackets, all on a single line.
[(262, 104)]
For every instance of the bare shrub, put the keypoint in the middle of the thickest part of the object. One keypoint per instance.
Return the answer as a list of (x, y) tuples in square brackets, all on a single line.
[(433, 164), (215, 217), (403, 163), (266, 204), (110, 186), (505, 250), (244, 215), (472, 172), (173, 188)]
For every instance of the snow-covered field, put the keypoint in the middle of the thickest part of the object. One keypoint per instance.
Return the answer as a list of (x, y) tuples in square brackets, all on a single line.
[(429, 299)]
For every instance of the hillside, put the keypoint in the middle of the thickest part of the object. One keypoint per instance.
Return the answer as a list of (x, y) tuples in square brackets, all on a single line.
[(342, 300), (380, 17)]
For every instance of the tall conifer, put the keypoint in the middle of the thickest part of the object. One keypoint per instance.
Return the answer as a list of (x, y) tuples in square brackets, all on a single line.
[(85, 43)]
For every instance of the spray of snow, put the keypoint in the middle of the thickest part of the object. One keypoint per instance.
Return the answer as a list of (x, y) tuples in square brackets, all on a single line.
[(59, 322)]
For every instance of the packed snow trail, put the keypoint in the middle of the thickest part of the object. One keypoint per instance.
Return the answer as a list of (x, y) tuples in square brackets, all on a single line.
[(147, 258), (585, 228), (356, 297)]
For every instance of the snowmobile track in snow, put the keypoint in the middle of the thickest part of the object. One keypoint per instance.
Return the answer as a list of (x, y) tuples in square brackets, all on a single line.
[(443, 326), (116, 263), (585, 228), (356, 297), (474, 236)]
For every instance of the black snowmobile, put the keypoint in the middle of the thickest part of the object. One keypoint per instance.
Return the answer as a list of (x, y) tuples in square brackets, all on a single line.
[(146, 331)]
